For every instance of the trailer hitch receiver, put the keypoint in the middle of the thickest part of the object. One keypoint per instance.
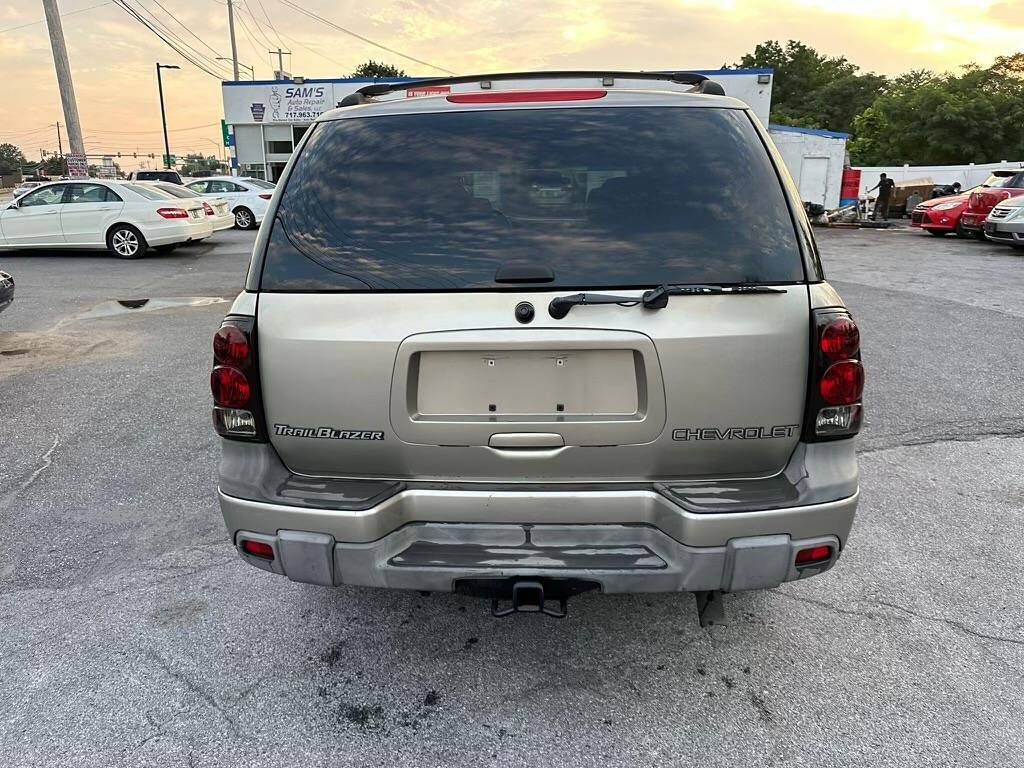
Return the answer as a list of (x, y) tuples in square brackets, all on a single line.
[(529, 597)]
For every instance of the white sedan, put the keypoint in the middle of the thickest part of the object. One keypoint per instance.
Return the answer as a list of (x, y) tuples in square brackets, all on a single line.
[(125, 218), (217, 208), (248, 198)]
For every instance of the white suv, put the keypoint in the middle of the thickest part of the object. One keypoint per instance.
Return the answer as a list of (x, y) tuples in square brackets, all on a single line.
[(247, 198)]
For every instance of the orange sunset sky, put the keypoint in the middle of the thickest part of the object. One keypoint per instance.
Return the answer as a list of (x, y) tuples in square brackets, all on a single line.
[(112, 56)]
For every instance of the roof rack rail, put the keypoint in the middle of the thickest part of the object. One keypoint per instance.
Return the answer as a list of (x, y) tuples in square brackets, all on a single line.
[(701, 83)]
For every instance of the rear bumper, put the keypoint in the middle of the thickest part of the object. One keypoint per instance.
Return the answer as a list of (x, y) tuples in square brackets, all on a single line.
[(619, 558), (178, 231), (973, 221), (728, 535)]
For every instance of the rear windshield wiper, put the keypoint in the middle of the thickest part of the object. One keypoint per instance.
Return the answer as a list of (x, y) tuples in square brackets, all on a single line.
[(656, 298)]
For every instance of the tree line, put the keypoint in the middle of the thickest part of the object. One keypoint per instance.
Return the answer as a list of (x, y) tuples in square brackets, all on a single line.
[(973, 115)]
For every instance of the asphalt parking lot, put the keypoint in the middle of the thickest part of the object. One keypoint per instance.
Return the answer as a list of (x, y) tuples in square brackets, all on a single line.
[(131, 634)]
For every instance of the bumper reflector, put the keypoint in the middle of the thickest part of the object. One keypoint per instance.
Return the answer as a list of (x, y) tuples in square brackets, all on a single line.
[(814, 555), (260, 549)]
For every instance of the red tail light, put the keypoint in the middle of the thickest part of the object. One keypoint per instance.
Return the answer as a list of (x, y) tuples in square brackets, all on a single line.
[(230, 387), (836, 382), (208, 208), (812, 555), (266, 196), (258, 548), (840, 339), (842, 383), (230, 346), (234, 381), (173, 213), (507, 97)]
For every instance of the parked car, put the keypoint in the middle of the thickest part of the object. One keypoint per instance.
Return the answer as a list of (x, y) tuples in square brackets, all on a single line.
[(125, 218), (941, 215), (247, 197), (167, 175), (1000, 186), (216, 207), (26, 186), (1005, 224), (466, 379), (6, 290)]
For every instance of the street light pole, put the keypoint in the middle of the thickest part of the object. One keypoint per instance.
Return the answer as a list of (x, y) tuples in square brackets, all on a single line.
[(163, 115)]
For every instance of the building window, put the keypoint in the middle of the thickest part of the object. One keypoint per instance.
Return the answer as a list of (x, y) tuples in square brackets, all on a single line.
[(279, 147)]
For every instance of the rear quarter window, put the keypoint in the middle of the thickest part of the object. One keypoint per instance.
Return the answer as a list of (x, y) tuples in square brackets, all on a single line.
[(603, 197)]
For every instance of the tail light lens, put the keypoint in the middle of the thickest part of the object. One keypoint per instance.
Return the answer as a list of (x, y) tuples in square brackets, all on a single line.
[(809, 556), (266, 196), (234, 381), (842, 383), (836, 384), (208, 208), (173, 213)]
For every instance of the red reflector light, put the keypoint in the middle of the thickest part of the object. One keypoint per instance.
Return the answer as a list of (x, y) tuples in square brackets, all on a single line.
[(840, 339), (508, 97), (230, 346), (173, 213), (208, 208), (230, 387), (813, 555), (258, 548), (266, 196), (842, 383)]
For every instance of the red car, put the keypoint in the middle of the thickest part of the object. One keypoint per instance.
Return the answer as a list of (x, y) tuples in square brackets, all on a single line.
[(1000, 186), (941, 215)]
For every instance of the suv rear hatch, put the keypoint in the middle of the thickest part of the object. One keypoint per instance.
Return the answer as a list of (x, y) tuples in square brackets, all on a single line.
[(390, 344)]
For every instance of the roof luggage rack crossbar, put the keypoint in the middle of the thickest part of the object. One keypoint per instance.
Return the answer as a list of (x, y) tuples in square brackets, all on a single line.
[(701, 83)]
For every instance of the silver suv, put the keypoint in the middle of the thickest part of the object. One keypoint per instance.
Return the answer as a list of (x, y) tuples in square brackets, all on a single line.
[(533, 335)]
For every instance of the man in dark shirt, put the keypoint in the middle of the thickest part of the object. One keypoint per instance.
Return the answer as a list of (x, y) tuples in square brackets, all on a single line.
[(884, 186)]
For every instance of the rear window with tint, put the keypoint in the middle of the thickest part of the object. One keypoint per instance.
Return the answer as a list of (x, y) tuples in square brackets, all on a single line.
[(602, 197)]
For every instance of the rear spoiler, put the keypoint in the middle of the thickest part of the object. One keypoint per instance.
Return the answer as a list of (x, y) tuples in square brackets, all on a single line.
[(701, 83)]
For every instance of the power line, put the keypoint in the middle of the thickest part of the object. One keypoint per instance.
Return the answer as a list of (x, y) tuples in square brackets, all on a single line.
[(177, 48), (269, 22), (180, 24), (145, 133), (315, 52), (256, 23), (41, 21), (193, 52), (349, 32)]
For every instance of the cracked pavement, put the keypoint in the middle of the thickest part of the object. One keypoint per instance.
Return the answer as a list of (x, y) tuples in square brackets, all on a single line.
[(131, 634)]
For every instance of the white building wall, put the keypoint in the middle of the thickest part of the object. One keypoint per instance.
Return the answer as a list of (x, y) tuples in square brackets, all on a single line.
[(968, 175), (815, 162)]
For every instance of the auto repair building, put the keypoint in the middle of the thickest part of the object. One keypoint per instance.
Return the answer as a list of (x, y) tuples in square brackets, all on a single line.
[(267, 118)]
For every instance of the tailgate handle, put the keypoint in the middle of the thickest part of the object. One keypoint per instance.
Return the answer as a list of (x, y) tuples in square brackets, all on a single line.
[(526, 440)]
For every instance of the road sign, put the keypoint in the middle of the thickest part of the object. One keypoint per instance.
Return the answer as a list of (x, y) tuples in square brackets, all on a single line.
[(78, 166), (170, 160)]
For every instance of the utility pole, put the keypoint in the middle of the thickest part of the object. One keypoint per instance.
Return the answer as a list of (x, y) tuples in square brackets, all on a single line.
[(60, 146), (163, 115), (64, 84), (280, 61), (231, 30)]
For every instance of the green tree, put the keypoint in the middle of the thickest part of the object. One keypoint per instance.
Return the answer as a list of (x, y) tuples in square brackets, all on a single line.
[(53, 166), (198, 165), (11, 159), (923, 118), (373, 68), (812, 90)]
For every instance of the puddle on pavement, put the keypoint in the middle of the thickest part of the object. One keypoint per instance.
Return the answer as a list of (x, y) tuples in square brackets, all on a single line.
[(127, 306)]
